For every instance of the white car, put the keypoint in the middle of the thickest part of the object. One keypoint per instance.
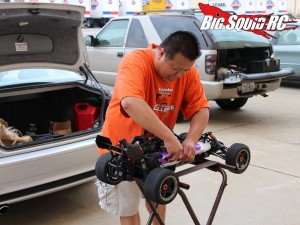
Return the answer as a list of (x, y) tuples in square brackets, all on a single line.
[(233, 66), (51, 107)]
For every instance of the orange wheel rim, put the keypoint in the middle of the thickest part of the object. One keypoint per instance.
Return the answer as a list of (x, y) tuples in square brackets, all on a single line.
[(165, 187)]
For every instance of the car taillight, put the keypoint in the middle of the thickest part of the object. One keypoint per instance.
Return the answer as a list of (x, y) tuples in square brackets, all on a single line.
[(210, 64)]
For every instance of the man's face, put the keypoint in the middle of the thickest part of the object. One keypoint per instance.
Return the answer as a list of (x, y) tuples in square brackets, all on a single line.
[(172, 69)]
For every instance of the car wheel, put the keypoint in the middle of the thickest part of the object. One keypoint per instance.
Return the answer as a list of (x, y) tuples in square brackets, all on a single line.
[(161, 186), (238, 155), (104, 172), (179, 117), (183, 135), (231, 104)]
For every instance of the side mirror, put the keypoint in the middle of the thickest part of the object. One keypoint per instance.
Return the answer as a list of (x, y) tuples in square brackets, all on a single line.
[(91, 41)]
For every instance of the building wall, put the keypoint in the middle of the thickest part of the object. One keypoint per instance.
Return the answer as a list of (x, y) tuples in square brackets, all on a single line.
[(194, 3), (294, 8)]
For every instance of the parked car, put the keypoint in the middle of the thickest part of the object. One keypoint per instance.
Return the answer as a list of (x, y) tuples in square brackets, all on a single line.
[(51, 107), (287, 49), (234, 66)]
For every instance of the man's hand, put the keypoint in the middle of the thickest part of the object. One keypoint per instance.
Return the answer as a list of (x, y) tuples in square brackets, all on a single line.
[(174, 148), (199, 121), (189, 151)]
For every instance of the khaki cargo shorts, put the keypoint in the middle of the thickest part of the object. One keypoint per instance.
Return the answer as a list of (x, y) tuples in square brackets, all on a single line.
[(122, 199)]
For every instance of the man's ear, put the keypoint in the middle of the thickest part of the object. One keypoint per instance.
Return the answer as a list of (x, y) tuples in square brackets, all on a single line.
[(161, 53)]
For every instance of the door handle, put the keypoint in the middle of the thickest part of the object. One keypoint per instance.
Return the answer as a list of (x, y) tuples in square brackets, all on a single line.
[(120, 54)]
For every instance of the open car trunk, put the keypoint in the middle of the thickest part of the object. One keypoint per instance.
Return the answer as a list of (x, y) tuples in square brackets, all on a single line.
[(248, 60), (34, 112)]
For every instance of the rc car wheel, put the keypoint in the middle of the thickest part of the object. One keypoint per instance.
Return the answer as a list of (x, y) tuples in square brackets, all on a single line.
[(179, 117), (238, 155), (103, 170), (161, 186), (183, 135)]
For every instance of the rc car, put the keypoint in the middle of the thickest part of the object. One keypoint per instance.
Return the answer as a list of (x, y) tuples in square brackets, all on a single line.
[(144, 159)]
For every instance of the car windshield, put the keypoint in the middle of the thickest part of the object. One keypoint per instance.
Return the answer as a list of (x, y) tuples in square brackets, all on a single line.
[(25, 76), (236, 39), (170, 24), (289, 37)]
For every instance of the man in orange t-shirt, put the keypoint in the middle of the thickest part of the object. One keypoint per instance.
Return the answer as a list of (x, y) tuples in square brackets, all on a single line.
[(151, 88)]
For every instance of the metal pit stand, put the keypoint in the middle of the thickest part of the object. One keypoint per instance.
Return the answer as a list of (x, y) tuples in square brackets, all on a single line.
[(208, 164)]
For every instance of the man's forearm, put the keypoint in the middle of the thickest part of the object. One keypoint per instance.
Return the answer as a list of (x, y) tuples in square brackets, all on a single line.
[(143, 115), (198, 124)]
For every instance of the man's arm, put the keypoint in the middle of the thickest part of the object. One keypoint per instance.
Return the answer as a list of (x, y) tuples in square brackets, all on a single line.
[(143, 115), (197, 126)]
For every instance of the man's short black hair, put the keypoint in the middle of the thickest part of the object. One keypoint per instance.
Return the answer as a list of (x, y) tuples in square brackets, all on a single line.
[(183, 42)]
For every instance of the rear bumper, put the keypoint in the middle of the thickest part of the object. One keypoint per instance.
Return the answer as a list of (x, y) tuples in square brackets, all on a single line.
[(47, 170), (46, 188), (264, 82), (285, 72), (261, 88)]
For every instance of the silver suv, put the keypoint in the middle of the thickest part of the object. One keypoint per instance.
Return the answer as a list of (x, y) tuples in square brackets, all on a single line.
[(233, 66)]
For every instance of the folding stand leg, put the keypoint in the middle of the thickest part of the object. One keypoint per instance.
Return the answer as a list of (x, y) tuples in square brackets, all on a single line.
[(185, 200), (219, 196), (152, 206), (216, 203), (188, 206)]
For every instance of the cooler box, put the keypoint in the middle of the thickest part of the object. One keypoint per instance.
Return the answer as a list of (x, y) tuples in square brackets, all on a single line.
[(264, 66), (85, 115)]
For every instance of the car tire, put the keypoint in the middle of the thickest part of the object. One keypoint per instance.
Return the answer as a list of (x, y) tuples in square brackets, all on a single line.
[(182, 136), (179, 117), (161, 186), (238, 155), (102, 170), (232, 103)]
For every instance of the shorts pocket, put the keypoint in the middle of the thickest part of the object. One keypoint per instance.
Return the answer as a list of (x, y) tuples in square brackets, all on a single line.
[(108, 197)]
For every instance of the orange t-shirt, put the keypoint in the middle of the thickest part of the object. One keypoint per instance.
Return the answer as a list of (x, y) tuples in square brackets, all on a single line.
[(137, 78)]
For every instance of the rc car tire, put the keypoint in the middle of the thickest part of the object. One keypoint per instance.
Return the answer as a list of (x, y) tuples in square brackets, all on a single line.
[(161, 186), (179, 117), (232, 103), (238, 155), (183, 135), (101, 170)]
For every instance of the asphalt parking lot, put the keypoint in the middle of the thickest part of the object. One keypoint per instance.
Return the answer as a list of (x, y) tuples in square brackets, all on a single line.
[(268, 193)]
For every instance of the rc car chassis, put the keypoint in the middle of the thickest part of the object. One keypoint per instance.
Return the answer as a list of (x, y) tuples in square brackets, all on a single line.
[(144, 160)]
